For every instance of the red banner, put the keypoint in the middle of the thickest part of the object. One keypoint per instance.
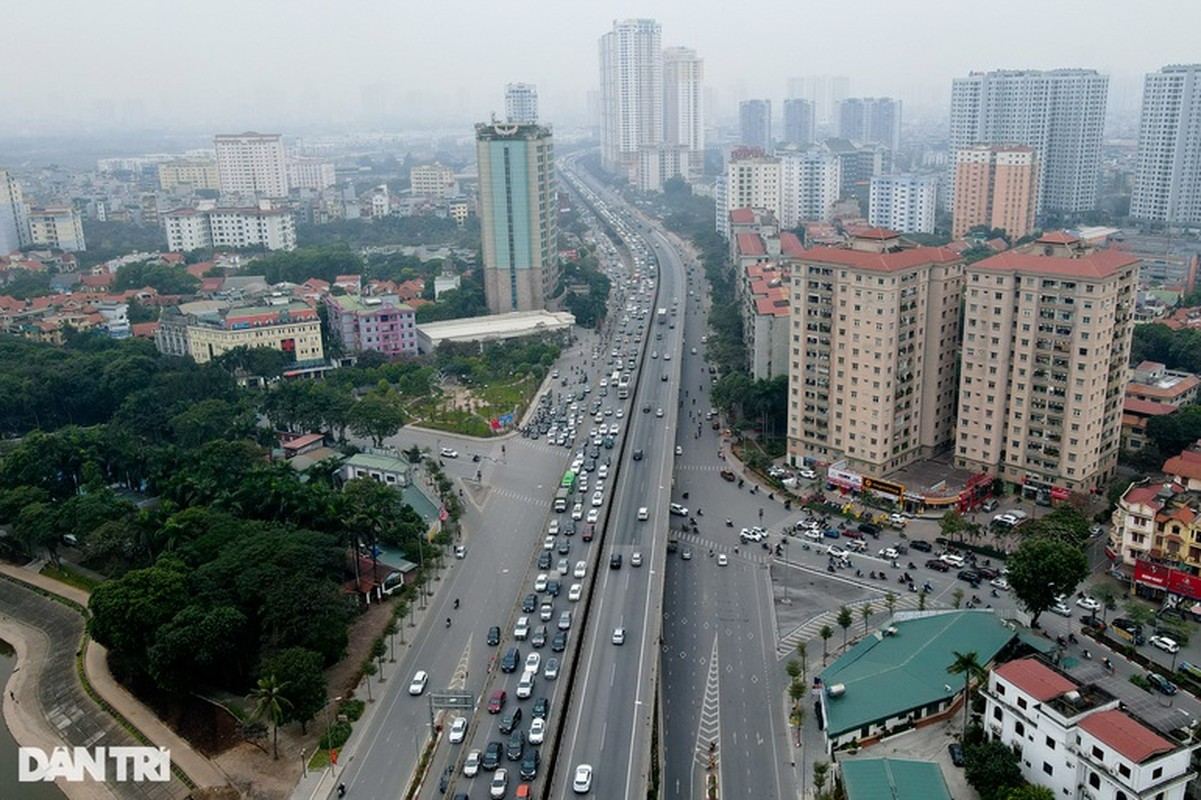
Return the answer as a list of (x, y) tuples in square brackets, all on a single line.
[(1158, 576)]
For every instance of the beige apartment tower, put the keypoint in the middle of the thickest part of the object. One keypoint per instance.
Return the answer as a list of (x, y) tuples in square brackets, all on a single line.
[(1043, 373), (875, 335), (252, 164), (997, 186)]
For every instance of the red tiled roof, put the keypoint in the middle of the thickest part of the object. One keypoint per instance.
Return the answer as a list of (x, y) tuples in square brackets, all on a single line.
[(771, 306), (1148, 366), (1185, 465), (1058, 237), (198, 269), (1129, 737), (1099, 264), (880, 234), (884, 262), (743, 216), (303, 441), (1142, 495), (144, 330), (997, 244), (790, 244), (1147, 408), (749, 244), (1035, 679), (98, 281)]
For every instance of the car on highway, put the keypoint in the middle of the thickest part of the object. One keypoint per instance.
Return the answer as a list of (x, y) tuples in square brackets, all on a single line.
[(834, 551), (558, 642), (813, 534), (1164, 643), (575, 592), (1161, 684), (544, 560), (636, 559), (686, 554), (728, 475), (493, 753), (471, 765), (458, 730), (722, 560), (938, 564), (417, 685), (637, 456), (460, 551), (521, 630), (869, 528), (538, 639), (644, 513), (533, 661), (581, 782), (551, 671), (553, 528), (537, 731), (539, 586), (1089, 603), (511, 720), (889, 553), (447, 452), (541, 708), (969, 575), (577, 511), (678, 510), (593, 516), (619, 636), (615, 561), (546, 612), (548, 543), (752, 535), (493, 636), (922, 545), (511, 660), (499, 785), (598, 499), (581, 569), (496, 702), (529, 765), (954, 559)]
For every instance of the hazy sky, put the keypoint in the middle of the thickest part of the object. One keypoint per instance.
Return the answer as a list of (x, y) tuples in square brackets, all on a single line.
[(269, 63)]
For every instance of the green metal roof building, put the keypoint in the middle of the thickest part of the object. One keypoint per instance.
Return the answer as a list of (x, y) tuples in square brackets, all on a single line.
[(898, 675), (893, 779)]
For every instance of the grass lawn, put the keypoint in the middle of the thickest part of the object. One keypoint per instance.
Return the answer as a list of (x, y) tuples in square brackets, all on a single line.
[(487, 400), (70, 577)]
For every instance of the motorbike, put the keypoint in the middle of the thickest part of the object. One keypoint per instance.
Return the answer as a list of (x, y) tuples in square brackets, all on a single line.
[(912, 565), (685, 495), (912, 588), (700, 513), (1072, 638), (448, 622), (729, 522), (341, 790)]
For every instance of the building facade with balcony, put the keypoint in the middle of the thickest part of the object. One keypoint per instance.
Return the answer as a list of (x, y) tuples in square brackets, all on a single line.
[(208, 329), (1047, 338), (383, 324), (875, 337)]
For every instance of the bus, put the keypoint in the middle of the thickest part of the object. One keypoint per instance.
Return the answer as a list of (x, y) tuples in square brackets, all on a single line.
[(623, 388), (568, 482)]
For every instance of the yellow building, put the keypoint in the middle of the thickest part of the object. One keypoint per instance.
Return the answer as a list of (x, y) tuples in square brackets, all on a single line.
[(190, 174), (205, 331)]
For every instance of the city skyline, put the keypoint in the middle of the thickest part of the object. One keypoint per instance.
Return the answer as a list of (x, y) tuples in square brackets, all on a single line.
[(247, 76)]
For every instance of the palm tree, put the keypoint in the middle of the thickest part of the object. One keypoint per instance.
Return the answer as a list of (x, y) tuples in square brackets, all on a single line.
[(890, 602), (865, 613), (826, 632), (845, 619), (803, 652), (957, 597), (969, 666), (269, 703)]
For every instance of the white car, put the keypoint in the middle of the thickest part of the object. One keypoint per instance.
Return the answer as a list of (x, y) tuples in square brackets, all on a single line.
[(644, 513), (582, 782), (471, 767), (722, 560), (533, 661), (598, 499), (888, 552), (951, 559), (577, 511), (679, 450), (1164, 643), (619, 636), (1089, 603), (458, 730), (593, 515), (999, 583), (636, 559), (447, 452), (603, 472), (500, 784), (581, 569), (621, 412), (679, 510), (814, 535), (834, 551), (808, 474), (658, 412), (548, 543), (553, 528), (1061, 608), (540, 582), (537, 731), (417, 685), (574, 593)]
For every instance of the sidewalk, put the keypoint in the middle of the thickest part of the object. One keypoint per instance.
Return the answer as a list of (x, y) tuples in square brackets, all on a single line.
[(199, 769)]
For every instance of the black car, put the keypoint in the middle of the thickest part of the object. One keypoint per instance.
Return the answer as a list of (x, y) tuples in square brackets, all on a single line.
[(869, 529), (493, 753), (516, 748), (538, 638), (511, 660), (553, 588), (544, 559), (956, 751), (924, 546), (564, 546), (1161, 684), (969, 575), (986, 572), (444, 781), (529, 765), (529, 603), (569, 528), (510, 720), (541, 708), (494, 636), (935, 563), (615, 561), (1092, 621), (559, 643), (637, 455)]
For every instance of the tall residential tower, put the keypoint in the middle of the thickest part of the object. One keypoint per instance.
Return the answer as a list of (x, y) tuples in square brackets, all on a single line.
[(1167, 178), (518, 215), (754, 124), (252, 164), (995, 186), (631, 94), (871, 120), (521, 103), (683, 107)]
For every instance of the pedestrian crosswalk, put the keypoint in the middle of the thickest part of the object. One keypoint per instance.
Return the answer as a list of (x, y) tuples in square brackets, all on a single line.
[(744, 552), (698, 468), (509, 494)]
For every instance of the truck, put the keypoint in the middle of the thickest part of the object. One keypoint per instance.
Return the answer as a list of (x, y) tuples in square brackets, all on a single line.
[(662, 316), (561, 499)]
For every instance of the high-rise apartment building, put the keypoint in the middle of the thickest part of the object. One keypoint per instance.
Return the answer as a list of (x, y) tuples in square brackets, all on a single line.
[(799, 122), (683, 106), (752, 180), (311, 173), (1046, 344), (60, 227), (875, 340), (1060, 113), (631, 94), (252, 164), (809, 185), (904, 203), (871, 120), (208, 226), (997, 186), (521, 103), (754, 124), (518, 215), (1167, 177), (826, 92), (14, 229), (433, 180)]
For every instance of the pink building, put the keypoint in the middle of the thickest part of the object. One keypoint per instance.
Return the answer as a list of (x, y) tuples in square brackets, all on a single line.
[(383, 324)]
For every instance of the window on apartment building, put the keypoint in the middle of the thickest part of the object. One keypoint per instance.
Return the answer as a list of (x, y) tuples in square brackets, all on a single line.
[(1094, 780), (1124, 770), (1018, 727), (1047, 768)]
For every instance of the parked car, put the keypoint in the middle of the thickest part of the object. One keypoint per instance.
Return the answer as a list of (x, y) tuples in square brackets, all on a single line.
[(1164, 643), (956, 751), (1161, 684)]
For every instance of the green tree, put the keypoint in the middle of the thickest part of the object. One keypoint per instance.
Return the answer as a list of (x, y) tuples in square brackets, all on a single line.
[(270, 704), (890, 602), (792, 669), (1107, 596), (957, 597), (201, 645), (952, 525), (1042, 568), (305, 689), (968, 665), (377, 417), (821, 772), (1030, 792), (865, 613), (826, 632), (127, 612), (802, 652), (845, 619), (921, 599), (369, 669), (991, 768)]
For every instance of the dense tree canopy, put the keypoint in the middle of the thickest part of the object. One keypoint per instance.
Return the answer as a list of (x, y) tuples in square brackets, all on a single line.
[(1042, 567)]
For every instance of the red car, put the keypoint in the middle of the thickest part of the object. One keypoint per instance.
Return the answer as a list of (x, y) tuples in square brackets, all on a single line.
[(497, 701), (850, 534), (588, 531)]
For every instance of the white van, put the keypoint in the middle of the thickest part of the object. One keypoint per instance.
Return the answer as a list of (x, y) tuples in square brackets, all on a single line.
[(522, 629), (525, 686)]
